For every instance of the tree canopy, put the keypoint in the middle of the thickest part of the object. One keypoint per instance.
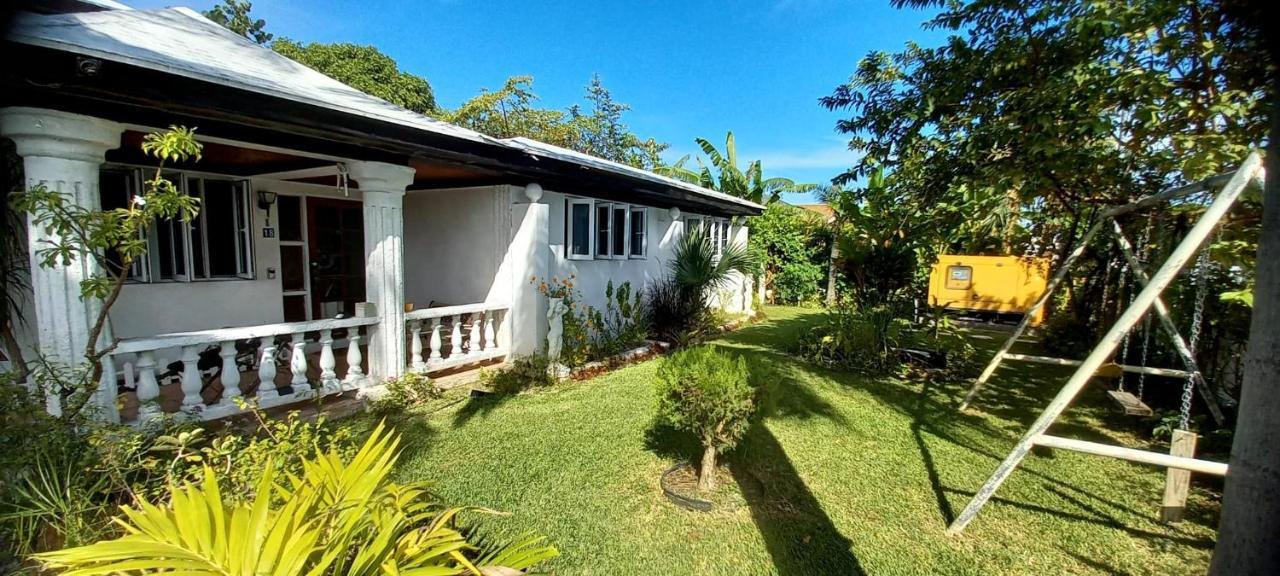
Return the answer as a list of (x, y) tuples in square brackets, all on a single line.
[(364, 68), (720, 172), (234, 15)]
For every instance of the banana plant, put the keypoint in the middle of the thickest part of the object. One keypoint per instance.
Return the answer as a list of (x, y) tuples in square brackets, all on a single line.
[(727, 177), (336, 518)]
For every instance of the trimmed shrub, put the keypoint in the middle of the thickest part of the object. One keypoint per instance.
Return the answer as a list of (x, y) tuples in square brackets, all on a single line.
[(707, 393)]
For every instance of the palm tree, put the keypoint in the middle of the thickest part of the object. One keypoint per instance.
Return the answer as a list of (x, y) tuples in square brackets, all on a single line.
[(697, 268), (749, 184)]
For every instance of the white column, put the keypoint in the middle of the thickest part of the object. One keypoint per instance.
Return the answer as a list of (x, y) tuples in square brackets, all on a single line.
[(382, 186), (530, 254), (63, 152)]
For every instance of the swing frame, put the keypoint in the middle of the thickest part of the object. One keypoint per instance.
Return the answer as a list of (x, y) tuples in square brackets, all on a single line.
[(1229, 187)]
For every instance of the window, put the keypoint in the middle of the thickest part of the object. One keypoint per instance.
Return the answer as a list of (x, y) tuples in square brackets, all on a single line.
[(691, 224), (218, 243), (959, 277), (578, 229), (639, 233), (605, 230)]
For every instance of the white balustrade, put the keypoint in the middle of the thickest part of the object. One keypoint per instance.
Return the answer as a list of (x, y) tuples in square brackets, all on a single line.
[(473, 343), (267, 370), (472, 333), (148, 387), (435, 357), (328, 374), (140, 355), (415, 346), (355, 373), (230, 373), (192, 382), (298, 363), (490, 342)]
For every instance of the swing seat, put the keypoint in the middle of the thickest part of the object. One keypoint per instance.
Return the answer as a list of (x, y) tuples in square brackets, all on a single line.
[(1130, 404)]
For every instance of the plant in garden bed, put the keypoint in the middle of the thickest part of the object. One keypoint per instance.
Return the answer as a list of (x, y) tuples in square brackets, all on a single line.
[(880, 339), (406, 391), (340, 515), (524, 373), (623, 325), (707, 393), (678, 305)]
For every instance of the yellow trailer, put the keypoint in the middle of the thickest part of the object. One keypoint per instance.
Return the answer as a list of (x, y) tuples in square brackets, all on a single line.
[(989, 285)]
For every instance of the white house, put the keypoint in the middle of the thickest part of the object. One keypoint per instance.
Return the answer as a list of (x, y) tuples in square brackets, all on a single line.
[(329, 217)]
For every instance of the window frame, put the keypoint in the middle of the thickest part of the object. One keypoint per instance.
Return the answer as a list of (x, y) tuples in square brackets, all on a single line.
[(624, 232), (570, 202), (643, 231), (968, 282), (242, 209)]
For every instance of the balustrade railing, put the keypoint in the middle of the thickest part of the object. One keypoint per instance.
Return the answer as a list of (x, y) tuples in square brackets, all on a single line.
[(225, 356), (470, 330)]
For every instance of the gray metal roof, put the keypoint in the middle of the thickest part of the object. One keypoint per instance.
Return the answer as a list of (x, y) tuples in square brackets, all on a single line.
[(182, 42)]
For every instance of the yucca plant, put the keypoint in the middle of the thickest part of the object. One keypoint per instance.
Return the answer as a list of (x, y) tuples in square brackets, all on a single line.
[(696, 267), (336, 518)]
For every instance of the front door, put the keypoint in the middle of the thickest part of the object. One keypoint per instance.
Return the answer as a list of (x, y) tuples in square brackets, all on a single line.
[(335, 246)]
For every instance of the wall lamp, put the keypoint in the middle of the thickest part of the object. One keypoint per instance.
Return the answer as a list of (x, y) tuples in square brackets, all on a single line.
[(265, 200)]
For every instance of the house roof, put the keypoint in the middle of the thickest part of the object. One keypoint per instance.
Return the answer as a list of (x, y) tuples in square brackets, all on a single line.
[(181, 42), (823, 210)]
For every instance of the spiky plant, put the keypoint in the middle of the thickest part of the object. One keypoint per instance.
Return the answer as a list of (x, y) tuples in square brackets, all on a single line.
[(697, 268), (339, 517)]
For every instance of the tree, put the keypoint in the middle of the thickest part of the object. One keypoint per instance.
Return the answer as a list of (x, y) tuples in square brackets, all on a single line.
[(1249, 529), (112, 240), (708, 393), (787, 241), (509, 112), (234, 15), (727, 177), (14, 268), (603, 134), (364, 68)]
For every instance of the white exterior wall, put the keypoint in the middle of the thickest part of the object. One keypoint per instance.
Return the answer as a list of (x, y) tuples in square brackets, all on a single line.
[(454, 243), (163, 307), (593, 276)]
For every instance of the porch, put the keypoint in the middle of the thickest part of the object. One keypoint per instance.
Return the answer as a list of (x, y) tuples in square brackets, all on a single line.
[(292, 284)]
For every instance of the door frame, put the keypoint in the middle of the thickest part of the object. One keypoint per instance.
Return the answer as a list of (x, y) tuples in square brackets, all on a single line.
[(305, 244)]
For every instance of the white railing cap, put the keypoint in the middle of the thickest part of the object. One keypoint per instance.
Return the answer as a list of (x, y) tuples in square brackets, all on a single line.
[(178, 339), (425, 313)]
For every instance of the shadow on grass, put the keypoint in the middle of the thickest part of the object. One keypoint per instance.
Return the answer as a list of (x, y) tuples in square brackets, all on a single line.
[(798, 534), (1014, 399), (479, 406), (800, 537)]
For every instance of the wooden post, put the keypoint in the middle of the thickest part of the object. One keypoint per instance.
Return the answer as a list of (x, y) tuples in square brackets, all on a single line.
[(1102, 352), (1177, 482)]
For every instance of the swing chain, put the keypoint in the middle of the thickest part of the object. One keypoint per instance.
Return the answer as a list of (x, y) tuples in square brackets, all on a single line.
[(1201, 279)]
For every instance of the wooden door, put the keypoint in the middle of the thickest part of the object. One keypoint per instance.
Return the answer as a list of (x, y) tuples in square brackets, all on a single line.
[(335, 234)]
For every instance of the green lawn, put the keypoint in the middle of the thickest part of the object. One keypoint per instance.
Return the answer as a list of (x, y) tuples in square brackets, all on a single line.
[(843, 475)]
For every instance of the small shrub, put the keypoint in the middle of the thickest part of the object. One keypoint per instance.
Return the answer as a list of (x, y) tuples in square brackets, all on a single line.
[(406, 391), (860, 339), (707, 393), (341, 514), (623, 324), (524, 373), (798, 282)]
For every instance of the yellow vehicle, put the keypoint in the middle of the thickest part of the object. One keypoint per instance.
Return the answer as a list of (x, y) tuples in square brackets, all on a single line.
[(991, 286)]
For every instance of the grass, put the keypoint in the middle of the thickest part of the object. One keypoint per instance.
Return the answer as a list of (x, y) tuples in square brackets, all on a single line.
[(842, 475)]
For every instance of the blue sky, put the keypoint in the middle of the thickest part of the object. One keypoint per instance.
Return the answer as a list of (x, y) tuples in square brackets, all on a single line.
[(687, 69)]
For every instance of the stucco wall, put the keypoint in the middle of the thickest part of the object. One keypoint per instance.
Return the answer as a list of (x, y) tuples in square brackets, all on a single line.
[(454, 241)]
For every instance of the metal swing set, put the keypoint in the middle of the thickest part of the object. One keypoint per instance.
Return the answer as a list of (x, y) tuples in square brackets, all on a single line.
[(1180, 461)]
